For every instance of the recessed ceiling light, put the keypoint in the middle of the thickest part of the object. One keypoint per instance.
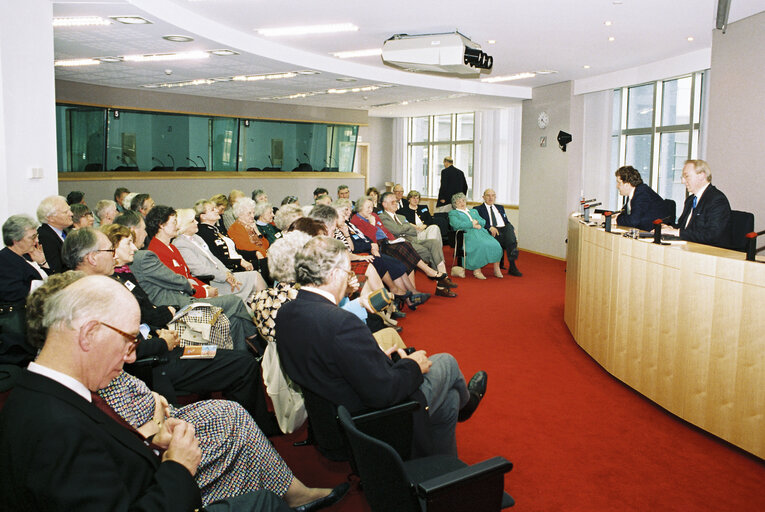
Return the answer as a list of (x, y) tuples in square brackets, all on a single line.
[(110, 59), (308, 29), (545, 72), (80, 21), (346, 79), (372, 52), (224, 52), (131, 20), (308, 72), (491, 41), (607, 23), (76, 62), (611, 39), (178, 39), (586, 66), (690, 38), (160, 57), (508, 78), (266, 76)]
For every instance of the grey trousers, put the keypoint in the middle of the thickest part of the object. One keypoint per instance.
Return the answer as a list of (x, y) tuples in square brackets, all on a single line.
[(446, 392), (258, 501), (430, 250)]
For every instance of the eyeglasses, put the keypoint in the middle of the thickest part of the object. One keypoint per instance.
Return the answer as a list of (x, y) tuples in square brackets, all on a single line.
[(105, 250), (132, 339)]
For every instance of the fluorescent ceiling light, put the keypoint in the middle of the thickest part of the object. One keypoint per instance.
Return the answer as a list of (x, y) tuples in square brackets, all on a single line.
[(109, 59), (268, 76), (131, 20), (308, 29), (358, 53), (160, 57), (224, 52), (76, 62), (508, 78), (80, 21), (545, 72), (178, 39), (366, 88)]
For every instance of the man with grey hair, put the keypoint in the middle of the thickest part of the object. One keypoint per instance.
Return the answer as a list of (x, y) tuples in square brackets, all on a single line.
[(286, 215), (341, 361), (54, 216), (343, 192), (398, 191), (67, 447), (90, 251), (326, 214), (106, 211), (500, 228)]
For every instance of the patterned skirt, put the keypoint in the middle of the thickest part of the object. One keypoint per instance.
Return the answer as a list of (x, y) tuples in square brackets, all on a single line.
[(360, 268), (403, 252)]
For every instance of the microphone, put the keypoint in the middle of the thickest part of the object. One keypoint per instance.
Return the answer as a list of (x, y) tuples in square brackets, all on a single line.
[(171, 159), (657, 232), (192, 161), (270, 160), (297, 160), (608, 215), (586, 209), (161, 163), (307, 158), (583, 201), (203, 161)]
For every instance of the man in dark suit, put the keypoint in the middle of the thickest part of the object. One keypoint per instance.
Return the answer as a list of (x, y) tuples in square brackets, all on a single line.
[(706, 212), (500, 228), (643, 205), (452, 182), (62, 448), (341, 361), (54, 216), (398, 190)]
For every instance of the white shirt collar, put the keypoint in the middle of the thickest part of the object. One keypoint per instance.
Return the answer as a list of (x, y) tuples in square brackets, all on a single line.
[(318, 291), (59, 232), (62, 378), (703, 189), (392, 214)]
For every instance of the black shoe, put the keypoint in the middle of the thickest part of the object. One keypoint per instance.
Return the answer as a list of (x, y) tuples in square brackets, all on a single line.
[(330, 499), (418, 299), (443, 281), (477, 388), (444, 292), (514, 271), (397, 314)]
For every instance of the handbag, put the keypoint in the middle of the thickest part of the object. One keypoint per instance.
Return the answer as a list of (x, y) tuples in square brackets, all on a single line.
[(200, 323), (286, 396)]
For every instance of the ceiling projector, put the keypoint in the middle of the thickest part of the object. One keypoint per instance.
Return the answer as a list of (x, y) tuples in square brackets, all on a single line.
[(450, 53)]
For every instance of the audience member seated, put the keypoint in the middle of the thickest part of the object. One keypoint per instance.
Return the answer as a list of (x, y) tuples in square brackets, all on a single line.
[(22, 268), (54, 216), (229, 215), (499, 226), (249, 241), (142, 203), (219, 244), (398, 191), (374, 195), (264, 218), (341, 361), (53, 414), (290, 200), (419, 215), (430, 249), (343, 192), (75, 197), (259, 196), (706, 211), (643, 205), (202, 262), (106, 211), (221, 205), (119, 198), (236, 457), (286, 215), (168, 288), (82, 217), (480, 247)]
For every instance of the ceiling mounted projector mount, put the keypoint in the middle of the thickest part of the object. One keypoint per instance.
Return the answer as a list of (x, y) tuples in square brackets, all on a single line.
[(448, 53)]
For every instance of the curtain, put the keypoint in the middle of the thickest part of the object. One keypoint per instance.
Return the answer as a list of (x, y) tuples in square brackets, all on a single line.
[(399, 170), (497, 150), (597, 174)]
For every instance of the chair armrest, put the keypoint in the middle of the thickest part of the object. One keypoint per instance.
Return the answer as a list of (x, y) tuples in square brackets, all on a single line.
[(373, 416), (206, 278), (487, 468)]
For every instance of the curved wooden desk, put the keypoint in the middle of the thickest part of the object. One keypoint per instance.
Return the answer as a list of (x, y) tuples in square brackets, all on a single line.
[(683, 325)]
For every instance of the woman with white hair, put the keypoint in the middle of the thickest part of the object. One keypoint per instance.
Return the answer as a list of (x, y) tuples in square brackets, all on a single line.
[(264, 218), (106, 211), (202, 262), (249, 241), (480, 247)]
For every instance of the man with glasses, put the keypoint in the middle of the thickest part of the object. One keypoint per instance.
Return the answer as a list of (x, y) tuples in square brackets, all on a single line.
[(63, 448), (55, 217), (341, 361), (236, 374)]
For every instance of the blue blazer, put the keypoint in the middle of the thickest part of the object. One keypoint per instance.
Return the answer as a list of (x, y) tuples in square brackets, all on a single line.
[(646, 206), (484, 213), (709, 224)]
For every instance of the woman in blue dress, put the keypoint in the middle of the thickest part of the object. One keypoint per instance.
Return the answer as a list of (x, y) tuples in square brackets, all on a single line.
[(480, 247)]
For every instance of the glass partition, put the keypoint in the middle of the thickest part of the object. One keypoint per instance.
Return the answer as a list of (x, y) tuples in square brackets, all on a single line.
[(100, 139)]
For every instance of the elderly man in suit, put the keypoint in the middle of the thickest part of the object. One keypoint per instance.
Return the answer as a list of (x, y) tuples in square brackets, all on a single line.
[(66, 447), (500, 228), (54, 216), (430, 249), (452, 182), (341, 360), (706, 212)]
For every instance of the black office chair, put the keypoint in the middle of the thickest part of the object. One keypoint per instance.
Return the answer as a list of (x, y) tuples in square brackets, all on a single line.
[(253, 169), (739, 224), (669, 211), (433, 484), (394, 425)]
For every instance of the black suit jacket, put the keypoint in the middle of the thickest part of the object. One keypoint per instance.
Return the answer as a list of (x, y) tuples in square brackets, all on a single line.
[(452, 182), (484, 213), (60, 452), (51, 244), (16, 276), (422, 210), (646, 206), (709, 224)]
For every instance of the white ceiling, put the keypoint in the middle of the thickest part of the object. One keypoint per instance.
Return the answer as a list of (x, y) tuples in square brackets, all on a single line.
[(560, 35)]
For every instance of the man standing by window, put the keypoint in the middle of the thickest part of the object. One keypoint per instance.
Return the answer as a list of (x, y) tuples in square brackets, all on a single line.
[(452, 182)]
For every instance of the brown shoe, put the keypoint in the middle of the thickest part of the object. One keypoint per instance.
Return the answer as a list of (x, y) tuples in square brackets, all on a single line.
[(445, 292)]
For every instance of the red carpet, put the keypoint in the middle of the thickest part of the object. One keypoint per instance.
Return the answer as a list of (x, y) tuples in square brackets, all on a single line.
[(580, 440)]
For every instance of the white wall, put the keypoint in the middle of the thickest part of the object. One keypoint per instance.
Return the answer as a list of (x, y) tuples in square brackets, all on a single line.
[(379, 135), (27, 106), (736, 126)]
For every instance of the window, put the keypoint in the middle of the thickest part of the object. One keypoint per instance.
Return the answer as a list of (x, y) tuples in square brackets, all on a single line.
[(431, 139), (656, 129)]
